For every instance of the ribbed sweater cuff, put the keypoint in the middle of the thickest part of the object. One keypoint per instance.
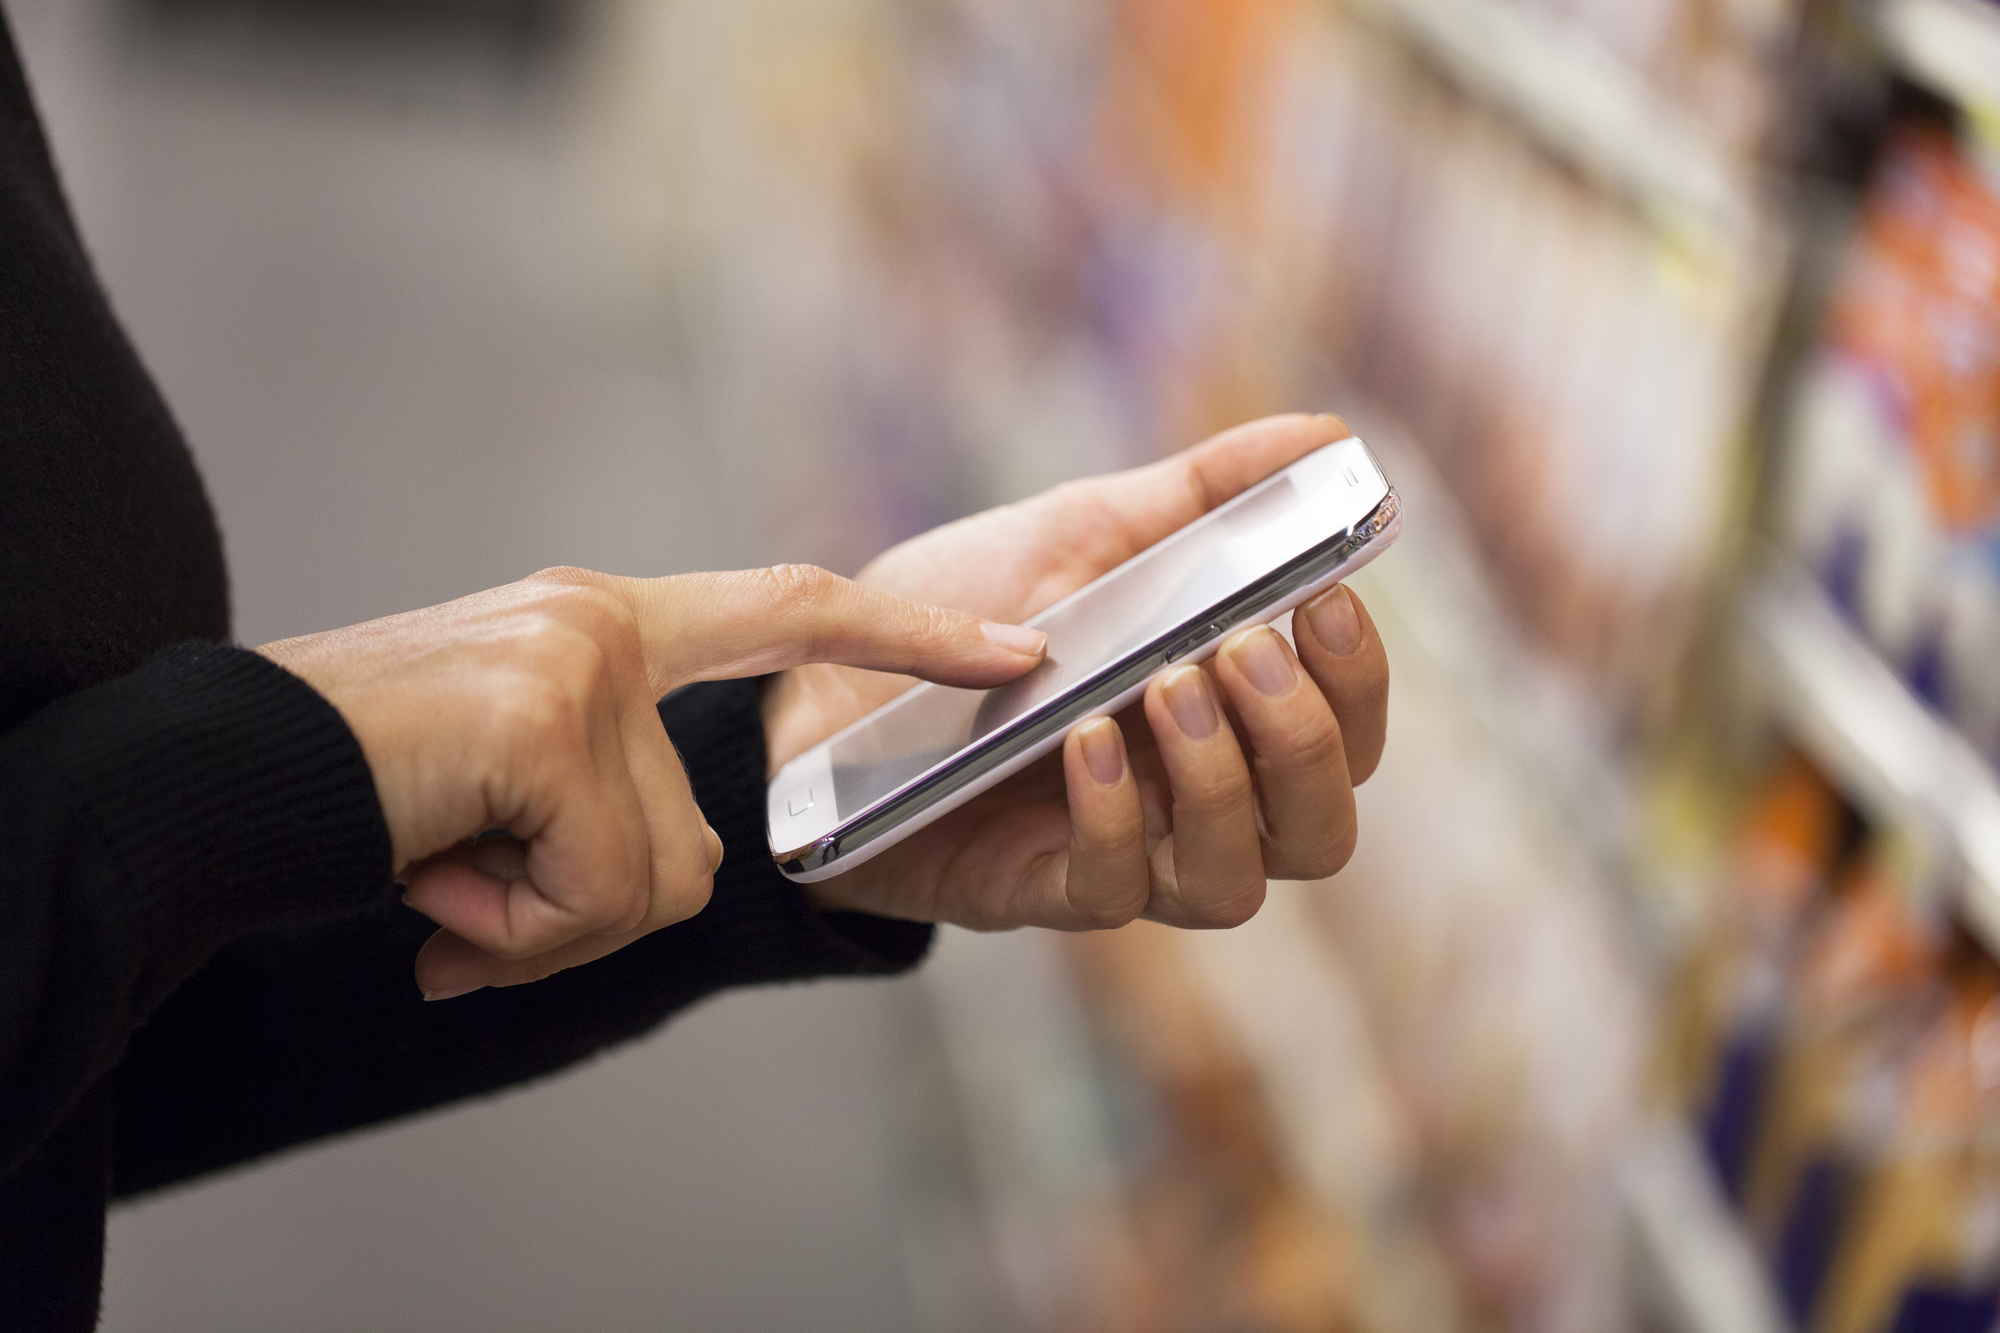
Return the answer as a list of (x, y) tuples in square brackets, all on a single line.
[(758, 919), (163, 814), (230, 793)]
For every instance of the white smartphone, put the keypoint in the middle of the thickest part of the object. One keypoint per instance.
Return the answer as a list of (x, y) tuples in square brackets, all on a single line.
[(935, 747)]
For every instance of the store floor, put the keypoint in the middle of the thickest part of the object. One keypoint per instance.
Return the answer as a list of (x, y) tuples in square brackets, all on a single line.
[(358, 288)]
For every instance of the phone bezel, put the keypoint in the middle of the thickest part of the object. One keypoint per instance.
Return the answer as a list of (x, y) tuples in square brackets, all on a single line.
[(1092, 694)]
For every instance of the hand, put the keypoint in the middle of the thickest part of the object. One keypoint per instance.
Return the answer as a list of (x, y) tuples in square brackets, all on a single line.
[(531, 709), (1179, 809)]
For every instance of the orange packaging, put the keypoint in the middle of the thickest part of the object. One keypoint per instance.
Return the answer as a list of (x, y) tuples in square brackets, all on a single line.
[(1726, 1022), (1220, 1234), (1922, 1249), (1920, 307), (1904, 452), (1856, 997)]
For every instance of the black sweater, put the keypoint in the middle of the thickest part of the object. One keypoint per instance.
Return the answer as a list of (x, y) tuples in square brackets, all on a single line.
[(202, 958)]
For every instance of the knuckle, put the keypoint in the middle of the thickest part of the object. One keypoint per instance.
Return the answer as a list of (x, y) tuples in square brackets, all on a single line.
[(802, 595), (683, 881), (513, 950), (682, 884), (692, 898), (1102, 887), (1326, 857), (1112, 834), (536, 706), (635, 909), (524, 940), (1126, 837), (1110, 913), (610, 616), (938, 626), (1231, 911), (579, 600), (1315, 863), (1339, 851), (608, 906), (1216, 794), (1315, 744), (594, 612), (573, 659), (562, 576), (803, 586), (1368, 697)]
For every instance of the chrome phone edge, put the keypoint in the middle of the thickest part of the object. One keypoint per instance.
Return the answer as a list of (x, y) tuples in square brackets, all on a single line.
[(816, 855)]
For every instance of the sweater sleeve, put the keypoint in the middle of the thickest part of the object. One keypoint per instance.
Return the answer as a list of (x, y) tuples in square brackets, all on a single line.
[(151, 820), (304, 1031)]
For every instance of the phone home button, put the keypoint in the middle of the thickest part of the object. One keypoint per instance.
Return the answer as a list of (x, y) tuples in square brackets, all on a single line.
[(799, 802)]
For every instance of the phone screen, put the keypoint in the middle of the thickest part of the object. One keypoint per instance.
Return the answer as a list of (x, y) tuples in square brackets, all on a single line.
[(1098, 628)]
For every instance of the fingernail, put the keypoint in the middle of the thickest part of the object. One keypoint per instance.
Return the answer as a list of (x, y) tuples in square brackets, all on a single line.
[(453, 992), (1188, 701), (1260, 655), (1014, 638), (1335, 623), (1104, 751), (714, 848)]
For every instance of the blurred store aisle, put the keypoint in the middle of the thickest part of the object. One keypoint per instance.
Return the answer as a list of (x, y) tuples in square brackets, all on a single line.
[(356, 279), (349, 274)]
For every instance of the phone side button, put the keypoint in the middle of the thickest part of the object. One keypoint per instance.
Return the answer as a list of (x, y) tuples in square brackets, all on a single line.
[(799, 802), (1200, 638)]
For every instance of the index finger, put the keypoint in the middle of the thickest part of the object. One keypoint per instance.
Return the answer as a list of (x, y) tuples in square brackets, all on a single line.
[(751, 622)]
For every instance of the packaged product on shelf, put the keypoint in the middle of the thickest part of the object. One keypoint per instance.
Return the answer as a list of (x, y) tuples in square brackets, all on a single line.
[(1860, 988), (1388, 1102), (1102, 1152), (1894, 482), (1841, 1040), (1921, 1251), (1223, 1235), (989, 247), (1968, 642), (1574, 373), (1015, 1220), (1727, 1010), (1493, 982), (1716, 64)]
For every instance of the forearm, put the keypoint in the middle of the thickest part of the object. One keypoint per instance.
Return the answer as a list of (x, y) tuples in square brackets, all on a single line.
[(296, 1034), (152, 820)]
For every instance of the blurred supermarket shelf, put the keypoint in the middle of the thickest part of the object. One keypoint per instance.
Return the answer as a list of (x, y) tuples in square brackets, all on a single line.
[(1906, 766), (1698, 1270), (1951, 47), (1543, 714), (1586, 105)]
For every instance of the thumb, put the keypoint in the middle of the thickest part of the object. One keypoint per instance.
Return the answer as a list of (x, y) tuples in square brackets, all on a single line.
[(753, 621)]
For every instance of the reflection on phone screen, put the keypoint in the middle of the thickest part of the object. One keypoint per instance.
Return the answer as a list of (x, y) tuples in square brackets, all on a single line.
[(1091, 632)]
